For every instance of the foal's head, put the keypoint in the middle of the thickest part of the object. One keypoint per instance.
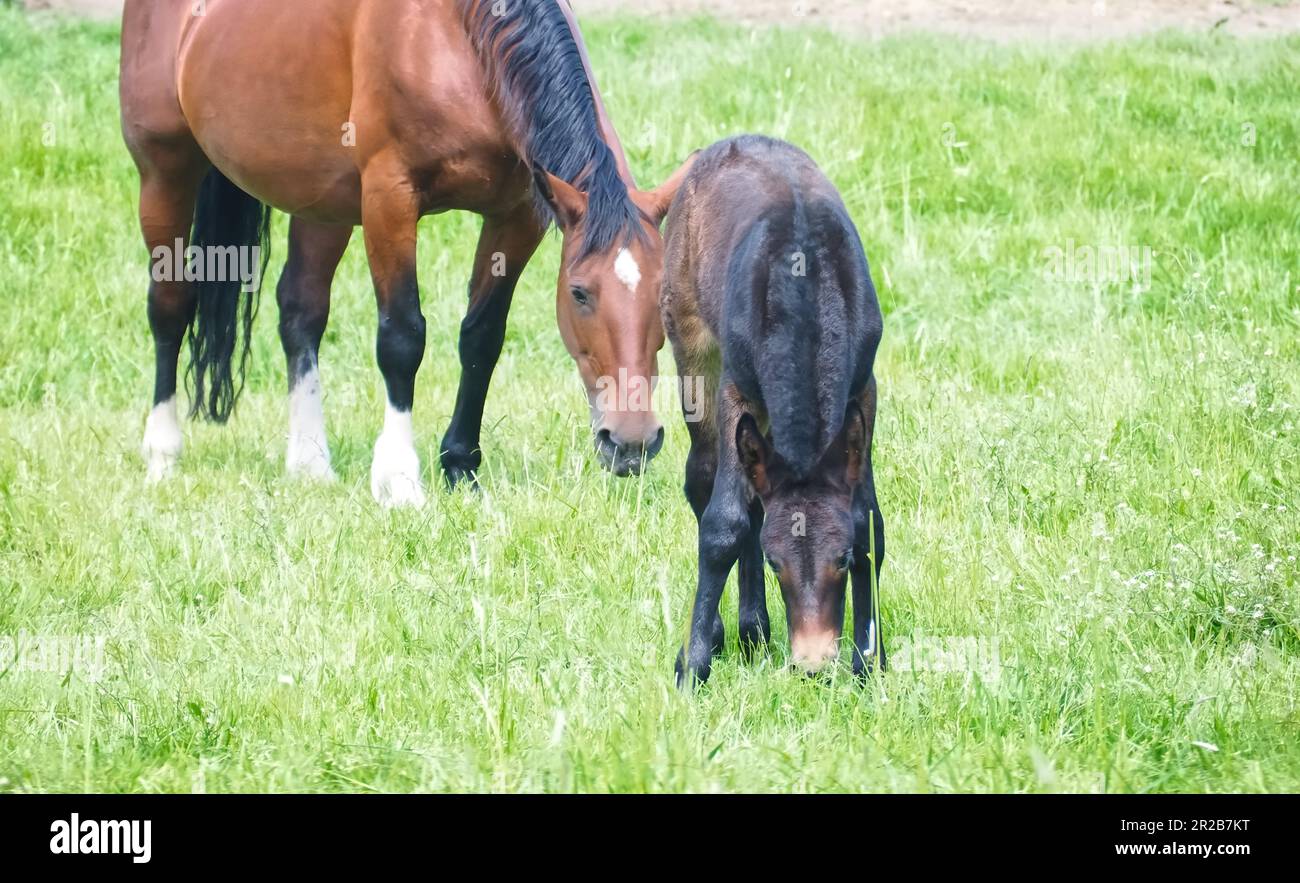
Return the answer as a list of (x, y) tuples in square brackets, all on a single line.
[(808, 531), (607, 306)]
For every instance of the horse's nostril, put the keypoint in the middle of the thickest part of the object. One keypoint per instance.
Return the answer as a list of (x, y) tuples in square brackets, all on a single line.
[(627, 457)]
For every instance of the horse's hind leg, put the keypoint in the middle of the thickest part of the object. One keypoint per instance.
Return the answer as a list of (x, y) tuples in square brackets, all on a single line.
[(169, 186), (304, 298)]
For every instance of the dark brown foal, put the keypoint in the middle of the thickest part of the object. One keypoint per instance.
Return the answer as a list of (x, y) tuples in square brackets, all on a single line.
[(767, 296)]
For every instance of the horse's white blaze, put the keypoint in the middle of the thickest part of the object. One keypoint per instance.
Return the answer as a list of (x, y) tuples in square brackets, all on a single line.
[(627, 270), (162, 440), (395, 472), (308, 453)]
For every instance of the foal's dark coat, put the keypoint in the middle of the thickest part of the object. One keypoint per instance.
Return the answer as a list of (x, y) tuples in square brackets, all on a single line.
[(767, 294)]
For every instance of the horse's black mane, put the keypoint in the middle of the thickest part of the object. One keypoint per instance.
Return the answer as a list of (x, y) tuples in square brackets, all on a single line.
[(536, 67)]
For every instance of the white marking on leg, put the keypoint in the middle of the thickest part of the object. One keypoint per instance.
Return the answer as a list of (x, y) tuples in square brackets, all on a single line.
[(162, 440), (395, 472), (308, 453), (627, 270)]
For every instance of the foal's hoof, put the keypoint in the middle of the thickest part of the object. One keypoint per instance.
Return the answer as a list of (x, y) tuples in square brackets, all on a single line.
[(864, 668), (688, 678)]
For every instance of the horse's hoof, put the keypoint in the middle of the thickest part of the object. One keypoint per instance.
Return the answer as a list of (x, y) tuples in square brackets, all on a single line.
[(458, 476), (399, 493), (160, 466), (161, 447), (395, 474), (319, 472), (308, 459), (311, 467)]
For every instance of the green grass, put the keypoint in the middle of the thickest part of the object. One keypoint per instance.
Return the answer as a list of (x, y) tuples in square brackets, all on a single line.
[(1102, 480)]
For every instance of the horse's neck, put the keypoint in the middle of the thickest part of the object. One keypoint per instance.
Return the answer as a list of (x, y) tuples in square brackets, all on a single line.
[(606, 126)]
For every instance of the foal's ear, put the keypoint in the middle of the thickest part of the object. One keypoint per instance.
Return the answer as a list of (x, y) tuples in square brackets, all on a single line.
[(754, 453), (567, 202), (655, 203), (855, 443)]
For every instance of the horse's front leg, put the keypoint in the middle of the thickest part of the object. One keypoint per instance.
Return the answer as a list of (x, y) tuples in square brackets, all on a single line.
[(304, 298), (389, 213), (504, 248)]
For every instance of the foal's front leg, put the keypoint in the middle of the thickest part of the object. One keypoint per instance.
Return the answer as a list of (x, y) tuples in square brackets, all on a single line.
[(755, 626), (389, 215), (868, 557), (724, 528)]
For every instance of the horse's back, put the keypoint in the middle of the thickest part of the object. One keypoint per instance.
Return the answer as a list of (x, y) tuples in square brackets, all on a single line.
[(294, 102)]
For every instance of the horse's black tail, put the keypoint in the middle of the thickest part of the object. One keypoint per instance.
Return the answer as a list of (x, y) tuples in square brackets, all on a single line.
[(232, 232)]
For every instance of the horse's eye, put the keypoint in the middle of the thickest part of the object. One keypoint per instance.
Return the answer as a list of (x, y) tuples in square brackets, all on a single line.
[(581, 296), (846, 561)]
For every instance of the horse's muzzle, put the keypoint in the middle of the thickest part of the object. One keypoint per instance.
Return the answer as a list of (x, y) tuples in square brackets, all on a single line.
[(623, 457)]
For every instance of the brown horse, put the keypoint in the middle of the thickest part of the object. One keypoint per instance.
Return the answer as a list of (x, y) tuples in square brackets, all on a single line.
[(378, 112)]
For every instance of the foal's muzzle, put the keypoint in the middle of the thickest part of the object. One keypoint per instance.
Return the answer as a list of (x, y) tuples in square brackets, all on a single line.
[(812, 650), (627, 457)]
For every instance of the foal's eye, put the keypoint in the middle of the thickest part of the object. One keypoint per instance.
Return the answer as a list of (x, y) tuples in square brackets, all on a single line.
[(772, 563), (581, 296), (846, 561)]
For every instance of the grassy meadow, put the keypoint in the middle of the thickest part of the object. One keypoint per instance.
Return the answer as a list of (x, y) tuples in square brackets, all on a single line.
[(1090, 479)]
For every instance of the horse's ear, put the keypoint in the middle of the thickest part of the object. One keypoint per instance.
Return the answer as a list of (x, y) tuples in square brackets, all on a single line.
[(754, 453), (655, 203), (567, 202), (855, 443)]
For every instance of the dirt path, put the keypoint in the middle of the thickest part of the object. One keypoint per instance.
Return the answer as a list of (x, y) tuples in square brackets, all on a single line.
[(995, 19)]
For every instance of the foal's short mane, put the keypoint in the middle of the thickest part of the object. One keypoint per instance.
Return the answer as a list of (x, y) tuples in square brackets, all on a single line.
[(535, 66)]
